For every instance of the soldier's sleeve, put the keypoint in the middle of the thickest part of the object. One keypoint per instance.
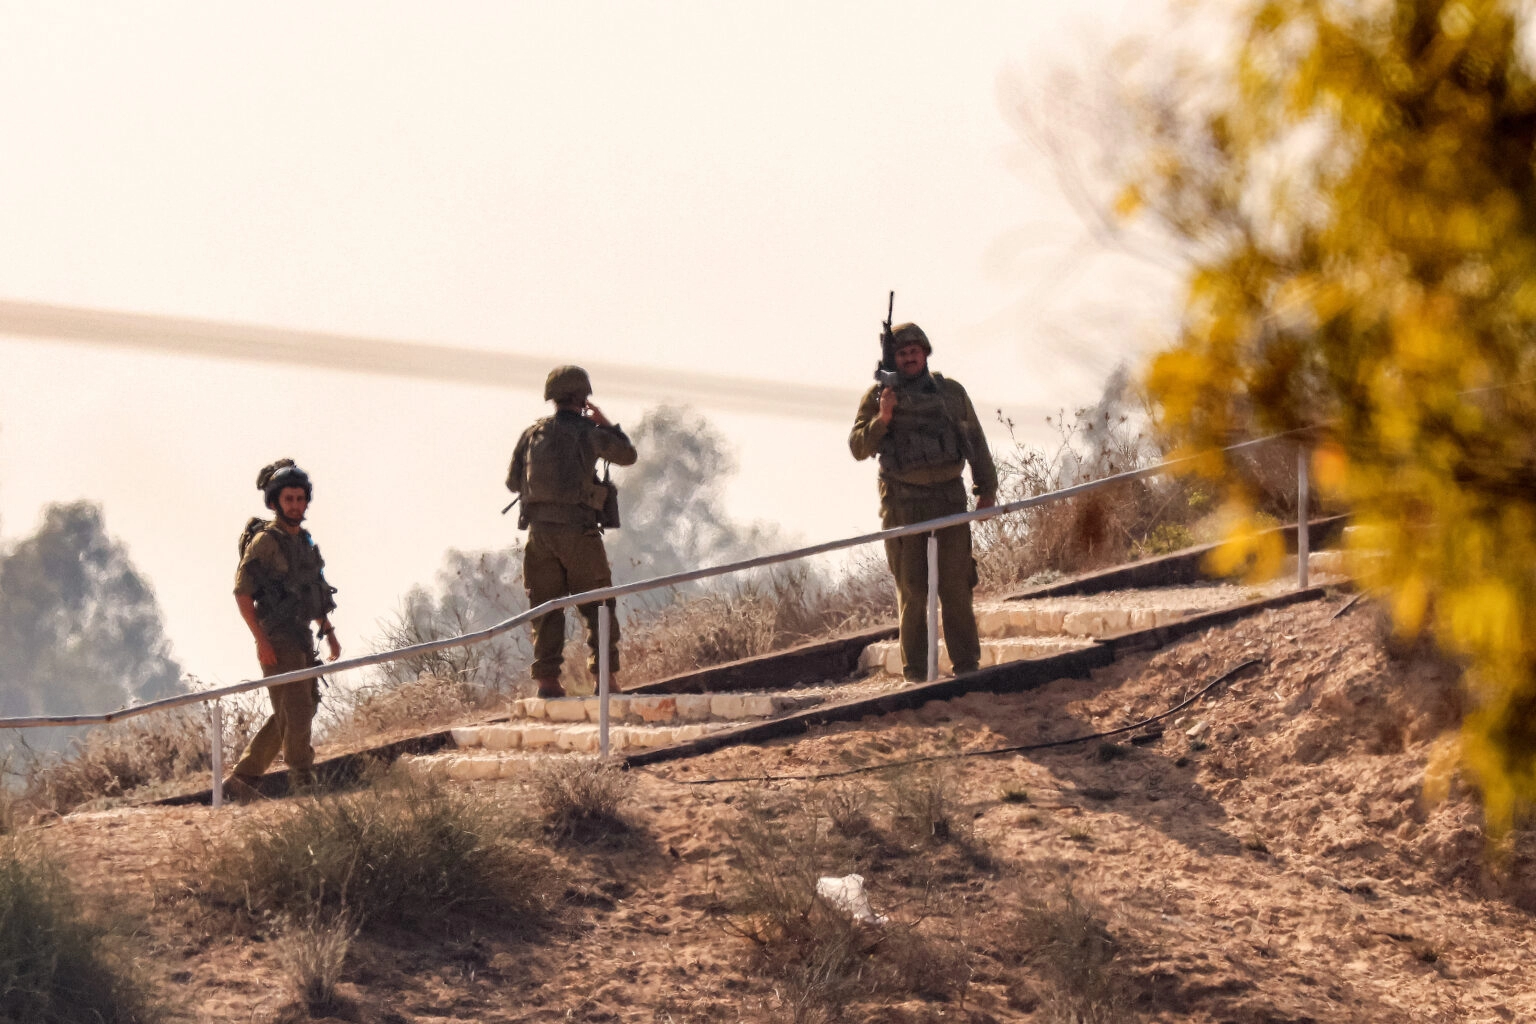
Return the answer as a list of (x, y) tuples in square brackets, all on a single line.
[(613, 445), (864, 440), (983, 470), (256, 567), (519, 464)]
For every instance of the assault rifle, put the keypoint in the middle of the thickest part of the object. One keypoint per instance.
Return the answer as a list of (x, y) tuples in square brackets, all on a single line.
[(885, 370)]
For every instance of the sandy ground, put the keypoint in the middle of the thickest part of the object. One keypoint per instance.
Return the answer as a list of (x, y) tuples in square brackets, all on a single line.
[(1277, 865)]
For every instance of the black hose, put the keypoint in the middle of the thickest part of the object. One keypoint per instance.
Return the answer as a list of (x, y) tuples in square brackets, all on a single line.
[(1021, 748)]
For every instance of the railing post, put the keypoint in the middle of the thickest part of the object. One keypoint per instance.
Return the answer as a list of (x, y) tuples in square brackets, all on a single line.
[(216, 748), (1303, 535), (604, 629), (933, 606)]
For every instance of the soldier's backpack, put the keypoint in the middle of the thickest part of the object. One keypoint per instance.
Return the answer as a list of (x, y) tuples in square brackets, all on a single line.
[(556, 467), (253, 526)]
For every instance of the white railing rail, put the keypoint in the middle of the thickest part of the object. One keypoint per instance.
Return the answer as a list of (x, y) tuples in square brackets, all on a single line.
[(606, 594)]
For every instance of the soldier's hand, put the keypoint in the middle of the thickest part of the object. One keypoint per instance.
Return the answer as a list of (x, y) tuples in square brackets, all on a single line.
[(264, 652), (597, 415), (335, 645), (887, 404), (986, 501)]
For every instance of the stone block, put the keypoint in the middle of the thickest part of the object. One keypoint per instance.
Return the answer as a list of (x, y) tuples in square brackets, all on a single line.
[(650, 738), (893, 659), (994, 622), (757, 705), (728, 706), (466, 736), (571, 709), (539, 735), (473, 769), (533, 707), (1050, 620), (1079, 623), (654, 709), (1115, 620), (581, 738), (684, 733), (1143, 618), (618, 708), (501, 737), (693, 707)]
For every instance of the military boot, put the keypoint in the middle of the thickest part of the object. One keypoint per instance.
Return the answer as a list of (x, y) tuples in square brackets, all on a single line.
[(549, 687)]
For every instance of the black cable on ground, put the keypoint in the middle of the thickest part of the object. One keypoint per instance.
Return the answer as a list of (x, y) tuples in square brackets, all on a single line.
[(1021, 748)]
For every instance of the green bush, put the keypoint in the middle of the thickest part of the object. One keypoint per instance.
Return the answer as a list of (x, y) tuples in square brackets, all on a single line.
[(402, 851), (56, 967)]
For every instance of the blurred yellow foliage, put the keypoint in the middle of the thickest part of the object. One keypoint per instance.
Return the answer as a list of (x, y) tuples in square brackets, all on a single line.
[(1385, 290)]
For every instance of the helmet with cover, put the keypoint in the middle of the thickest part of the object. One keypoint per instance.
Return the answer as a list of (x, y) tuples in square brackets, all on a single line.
[(276, 476), (567, 382), (909, 334)]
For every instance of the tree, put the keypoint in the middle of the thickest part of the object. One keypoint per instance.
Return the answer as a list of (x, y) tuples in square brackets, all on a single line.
[(1358, 204), (79, 627), (671, 500)]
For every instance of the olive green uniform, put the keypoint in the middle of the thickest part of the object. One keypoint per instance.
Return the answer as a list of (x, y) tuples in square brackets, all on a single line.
[(284, 574), (554, 472), (922, 452)]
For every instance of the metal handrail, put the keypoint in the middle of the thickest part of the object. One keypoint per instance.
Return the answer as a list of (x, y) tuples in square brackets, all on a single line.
[(640, 586)]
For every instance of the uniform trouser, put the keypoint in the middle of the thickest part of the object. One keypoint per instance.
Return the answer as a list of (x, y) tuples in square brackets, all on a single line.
[(561, 560), (293, 716), (908, 559)]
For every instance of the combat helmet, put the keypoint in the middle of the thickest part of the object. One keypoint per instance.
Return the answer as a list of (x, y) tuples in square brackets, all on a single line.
[(567, 382), (280, 474), (909, 334)]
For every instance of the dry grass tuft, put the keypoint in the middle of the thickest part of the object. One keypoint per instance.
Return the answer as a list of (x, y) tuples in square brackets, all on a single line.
[(56, 965), (311, 954), (385, 707), (821, 958), (156, 751), (1065, 943), (400, 851), (581, 799), (742, 619)]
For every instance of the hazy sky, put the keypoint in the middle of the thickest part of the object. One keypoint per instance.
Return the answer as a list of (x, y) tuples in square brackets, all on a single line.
[(723, 188)]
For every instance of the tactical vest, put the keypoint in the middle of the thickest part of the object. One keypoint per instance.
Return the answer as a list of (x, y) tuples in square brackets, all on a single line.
[(924, 444), (555, 469), (298, 594)]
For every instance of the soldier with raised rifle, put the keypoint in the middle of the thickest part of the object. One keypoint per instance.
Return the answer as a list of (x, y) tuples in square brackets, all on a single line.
[(922, 428)]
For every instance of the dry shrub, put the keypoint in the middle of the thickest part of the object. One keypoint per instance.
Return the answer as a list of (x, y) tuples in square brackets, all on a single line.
[(581, 798), (150, 752), (753, 615), (384, 707), (1098, 528), (820, 957), (56, 964), (924, 807), (311, 953), (400, 851), (1065, 943)]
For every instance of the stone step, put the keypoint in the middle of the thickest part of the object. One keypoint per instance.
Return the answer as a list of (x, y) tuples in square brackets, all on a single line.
[(660, 709), (885, 656), (488, 742), (1115, 611)]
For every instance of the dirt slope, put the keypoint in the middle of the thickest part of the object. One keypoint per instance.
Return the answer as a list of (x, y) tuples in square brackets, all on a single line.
[(1278, 867)]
